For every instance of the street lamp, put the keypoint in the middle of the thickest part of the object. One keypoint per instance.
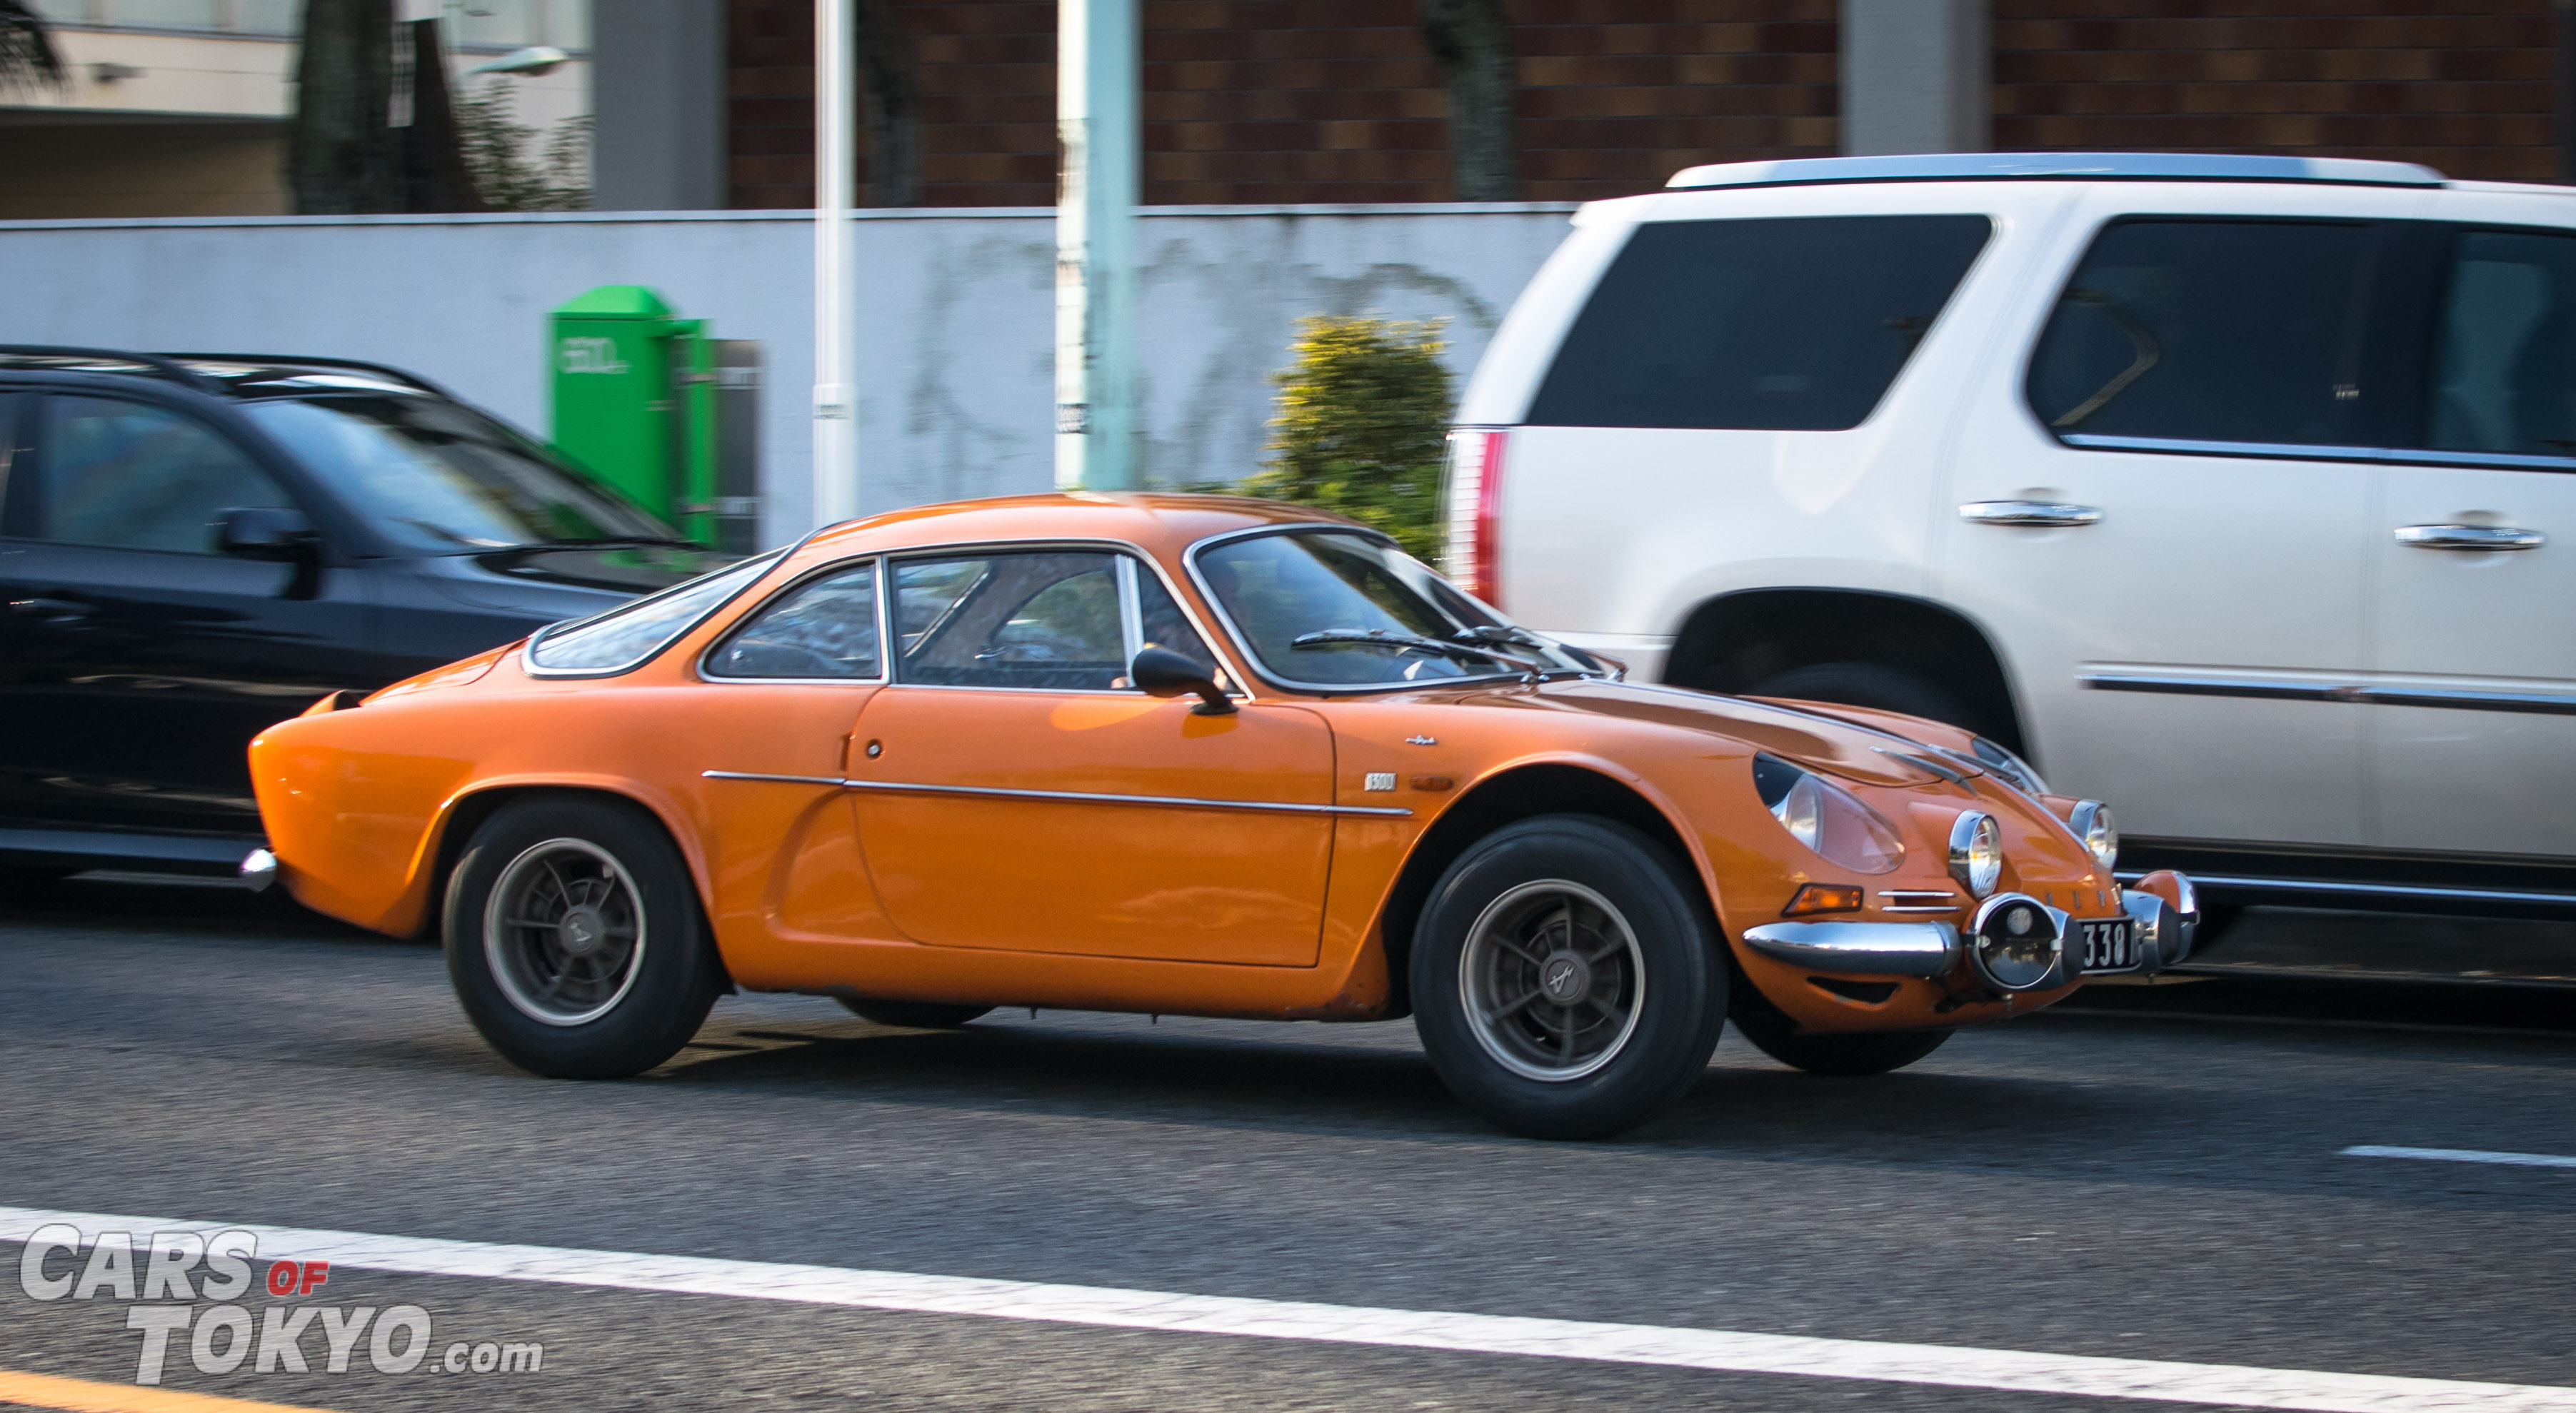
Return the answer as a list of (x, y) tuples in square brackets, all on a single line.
[(836, 428)]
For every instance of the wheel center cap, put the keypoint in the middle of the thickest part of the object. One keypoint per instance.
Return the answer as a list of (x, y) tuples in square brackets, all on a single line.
[(1564, 978), (581, 931)]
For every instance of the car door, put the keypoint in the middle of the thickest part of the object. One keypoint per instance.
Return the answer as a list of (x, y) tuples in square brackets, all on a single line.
[(2159, 501), (144, 660), (2474, 547), (1015, 794)]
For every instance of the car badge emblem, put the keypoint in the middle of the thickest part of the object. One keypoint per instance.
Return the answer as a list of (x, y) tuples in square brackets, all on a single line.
[(1420, 741), (1379, 780)]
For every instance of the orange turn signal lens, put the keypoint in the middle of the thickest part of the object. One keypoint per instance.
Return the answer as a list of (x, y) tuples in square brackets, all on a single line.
[(1824, 898)]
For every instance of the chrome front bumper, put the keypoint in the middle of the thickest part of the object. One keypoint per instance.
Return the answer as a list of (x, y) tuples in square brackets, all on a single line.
[(2161, 934)]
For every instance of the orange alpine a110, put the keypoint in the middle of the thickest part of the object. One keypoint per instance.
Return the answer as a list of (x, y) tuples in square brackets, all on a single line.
[(1188, 755)]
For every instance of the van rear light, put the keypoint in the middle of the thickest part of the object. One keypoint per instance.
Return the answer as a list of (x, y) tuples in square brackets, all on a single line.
[(1475, 498)]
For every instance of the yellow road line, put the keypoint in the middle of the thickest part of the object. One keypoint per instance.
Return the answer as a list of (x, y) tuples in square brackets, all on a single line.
[(82, 1396)]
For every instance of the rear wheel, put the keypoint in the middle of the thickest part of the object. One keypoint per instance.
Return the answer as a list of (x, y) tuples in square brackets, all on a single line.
[(1564, 982), (1868, 684), (575, 941), (916, 1015), (1857, 1053)]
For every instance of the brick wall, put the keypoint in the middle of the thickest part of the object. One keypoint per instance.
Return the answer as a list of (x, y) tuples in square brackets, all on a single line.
[(1260, 101), (2462, 85)]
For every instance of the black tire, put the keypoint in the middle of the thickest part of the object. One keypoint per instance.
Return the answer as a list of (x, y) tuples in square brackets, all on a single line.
[(1639, 961), (562, 998), (915, 1015), (1857, 1053), (1868, 684)]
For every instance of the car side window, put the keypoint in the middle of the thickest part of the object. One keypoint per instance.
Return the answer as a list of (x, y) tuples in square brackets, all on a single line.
[(1796, 324), (2219, 331), (1163, 625), (825, 627), (1048, 620), (130, 475), (2504, 365)]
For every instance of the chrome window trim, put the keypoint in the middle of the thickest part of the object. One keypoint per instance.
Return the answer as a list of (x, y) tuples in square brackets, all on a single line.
[(885, 663), (2355, 693), (528, 652), (1131, 629), (2292, 451), (1068, 796), (1243, 645)]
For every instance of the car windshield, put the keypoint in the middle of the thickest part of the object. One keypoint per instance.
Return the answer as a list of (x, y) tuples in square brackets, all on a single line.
[(441, 477), (1278, 588)]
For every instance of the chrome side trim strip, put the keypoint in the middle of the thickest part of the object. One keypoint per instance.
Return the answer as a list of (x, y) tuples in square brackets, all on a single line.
[(2401, 456), (832, 780), (2294, 690), (2372, 890), (1859, 948), (1074, 796)]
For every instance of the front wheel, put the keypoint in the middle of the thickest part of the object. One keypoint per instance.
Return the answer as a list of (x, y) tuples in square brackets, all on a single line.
[(1565, 983), (575, 941)]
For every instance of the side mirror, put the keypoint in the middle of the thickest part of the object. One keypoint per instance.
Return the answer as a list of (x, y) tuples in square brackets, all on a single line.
[(265, 532), (1161, 672)]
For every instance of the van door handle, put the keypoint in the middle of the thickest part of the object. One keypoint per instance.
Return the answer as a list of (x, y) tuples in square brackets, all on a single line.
[(2470, 537), (2029, 514), (50, 610)]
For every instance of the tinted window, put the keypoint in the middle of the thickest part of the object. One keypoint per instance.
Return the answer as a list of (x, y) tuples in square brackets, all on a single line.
[(1164, 625), (623, 637), (1048, 621), (825, 627), (134, 476), (438, 476), (2232, 331), (2504, 369), (1785, 324)]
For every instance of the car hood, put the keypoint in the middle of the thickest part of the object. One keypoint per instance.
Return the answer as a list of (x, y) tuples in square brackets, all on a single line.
[(1811, 739)]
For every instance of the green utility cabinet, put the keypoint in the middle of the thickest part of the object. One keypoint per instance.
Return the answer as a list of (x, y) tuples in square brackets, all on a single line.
[(646, 401)]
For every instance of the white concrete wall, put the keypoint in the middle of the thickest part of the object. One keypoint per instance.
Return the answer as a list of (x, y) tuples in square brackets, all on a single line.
[(956, 313)]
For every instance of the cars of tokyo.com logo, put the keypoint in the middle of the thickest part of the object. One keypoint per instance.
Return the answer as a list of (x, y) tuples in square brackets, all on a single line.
[(189, 1288)]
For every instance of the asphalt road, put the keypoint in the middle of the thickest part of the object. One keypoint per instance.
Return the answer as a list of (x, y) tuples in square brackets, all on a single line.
[(2157, 1176)]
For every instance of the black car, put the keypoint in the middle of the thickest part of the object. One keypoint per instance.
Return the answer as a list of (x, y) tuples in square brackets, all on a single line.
[(196, 546)]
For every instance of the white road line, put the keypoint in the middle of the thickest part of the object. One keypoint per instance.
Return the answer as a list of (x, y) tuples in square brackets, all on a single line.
[(1946, 1365), (2460, 1155)]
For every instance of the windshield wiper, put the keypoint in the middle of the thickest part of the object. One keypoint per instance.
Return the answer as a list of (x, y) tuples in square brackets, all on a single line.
[(1408, 642)]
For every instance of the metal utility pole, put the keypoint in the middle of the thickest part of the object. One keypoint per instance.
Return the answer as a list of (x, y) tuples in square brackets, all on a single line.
[(836, 427), (1095, 245)]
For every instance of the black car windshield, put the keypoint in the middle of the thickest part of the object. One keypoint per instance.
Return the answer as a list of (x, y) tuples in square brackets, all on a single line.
[(439, 476), (1278, 588)]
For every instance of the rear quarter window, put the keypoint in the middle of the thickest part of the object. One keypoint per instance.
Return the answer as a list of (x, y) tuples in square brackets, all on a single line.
[(1794, 324)]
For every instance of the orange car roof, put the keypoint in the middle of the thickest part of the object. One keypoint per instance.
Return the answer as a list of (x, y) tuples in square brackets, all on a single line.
[(1159, 522)]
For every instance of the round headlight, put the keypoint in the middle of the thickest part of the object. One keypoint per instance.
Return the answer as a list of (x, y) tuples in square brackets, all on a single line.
[(1827, 818), (2014, 942), (1976, 853), (2091, 821)]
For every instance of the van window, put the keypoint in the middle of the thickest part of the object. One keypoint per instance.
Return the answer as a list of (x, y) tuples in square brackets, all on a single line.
[(2504, 369), (1776, 325), (2221, 331)]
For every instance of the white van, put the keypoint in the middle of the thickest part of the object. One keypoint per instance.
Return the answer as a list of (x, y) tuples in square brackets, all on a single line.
[(2238, 490)]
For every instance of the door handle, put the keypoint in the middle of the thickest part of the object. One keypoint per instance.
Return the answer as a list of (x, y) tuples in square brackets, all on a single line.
[(50, 610), (2470, 537), (2029, 514)]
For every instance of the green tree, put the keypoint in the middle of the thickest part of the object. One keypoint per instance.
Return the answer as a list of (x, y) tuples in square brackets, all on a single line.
[(511, 172), (27, 57), (1363, 426)]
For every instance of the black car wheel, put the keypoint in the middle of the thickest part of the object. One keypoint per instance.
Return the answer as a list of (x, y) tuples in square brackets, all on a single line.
[(914, 1015), (1565, 982), (575, 940), (1858, 1053)]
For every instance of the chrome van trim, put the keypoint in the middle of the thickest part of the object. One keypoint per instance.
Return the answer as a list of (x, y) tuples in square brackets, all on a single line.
[(2298, 451), (2322, 689), (2251, 884), (1074, 796), (1924, 949)]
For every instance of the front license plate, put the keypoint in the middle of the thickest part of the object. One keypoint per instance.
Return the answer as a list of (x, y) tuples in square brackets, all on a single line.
[(2106, 945)]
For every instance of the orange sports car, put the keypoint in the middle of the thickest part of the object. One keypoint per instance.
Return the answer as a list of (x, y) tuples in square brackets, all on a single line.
[(1189, 755)]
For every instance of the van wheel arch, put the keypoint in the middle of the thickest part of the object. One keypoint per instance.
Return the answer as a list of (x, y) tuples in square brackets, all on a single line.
[(1738, 642), (1497, 803)]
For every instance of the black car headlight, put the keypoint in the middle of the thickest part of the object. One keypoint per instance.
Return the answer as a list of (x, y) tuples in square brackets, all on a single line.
[(2015, 942)]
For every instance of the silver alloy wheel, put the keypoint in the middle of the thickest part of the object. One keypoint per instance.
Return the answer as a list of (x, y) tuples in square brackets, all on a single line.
[(1552, 979), (564, 932)]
